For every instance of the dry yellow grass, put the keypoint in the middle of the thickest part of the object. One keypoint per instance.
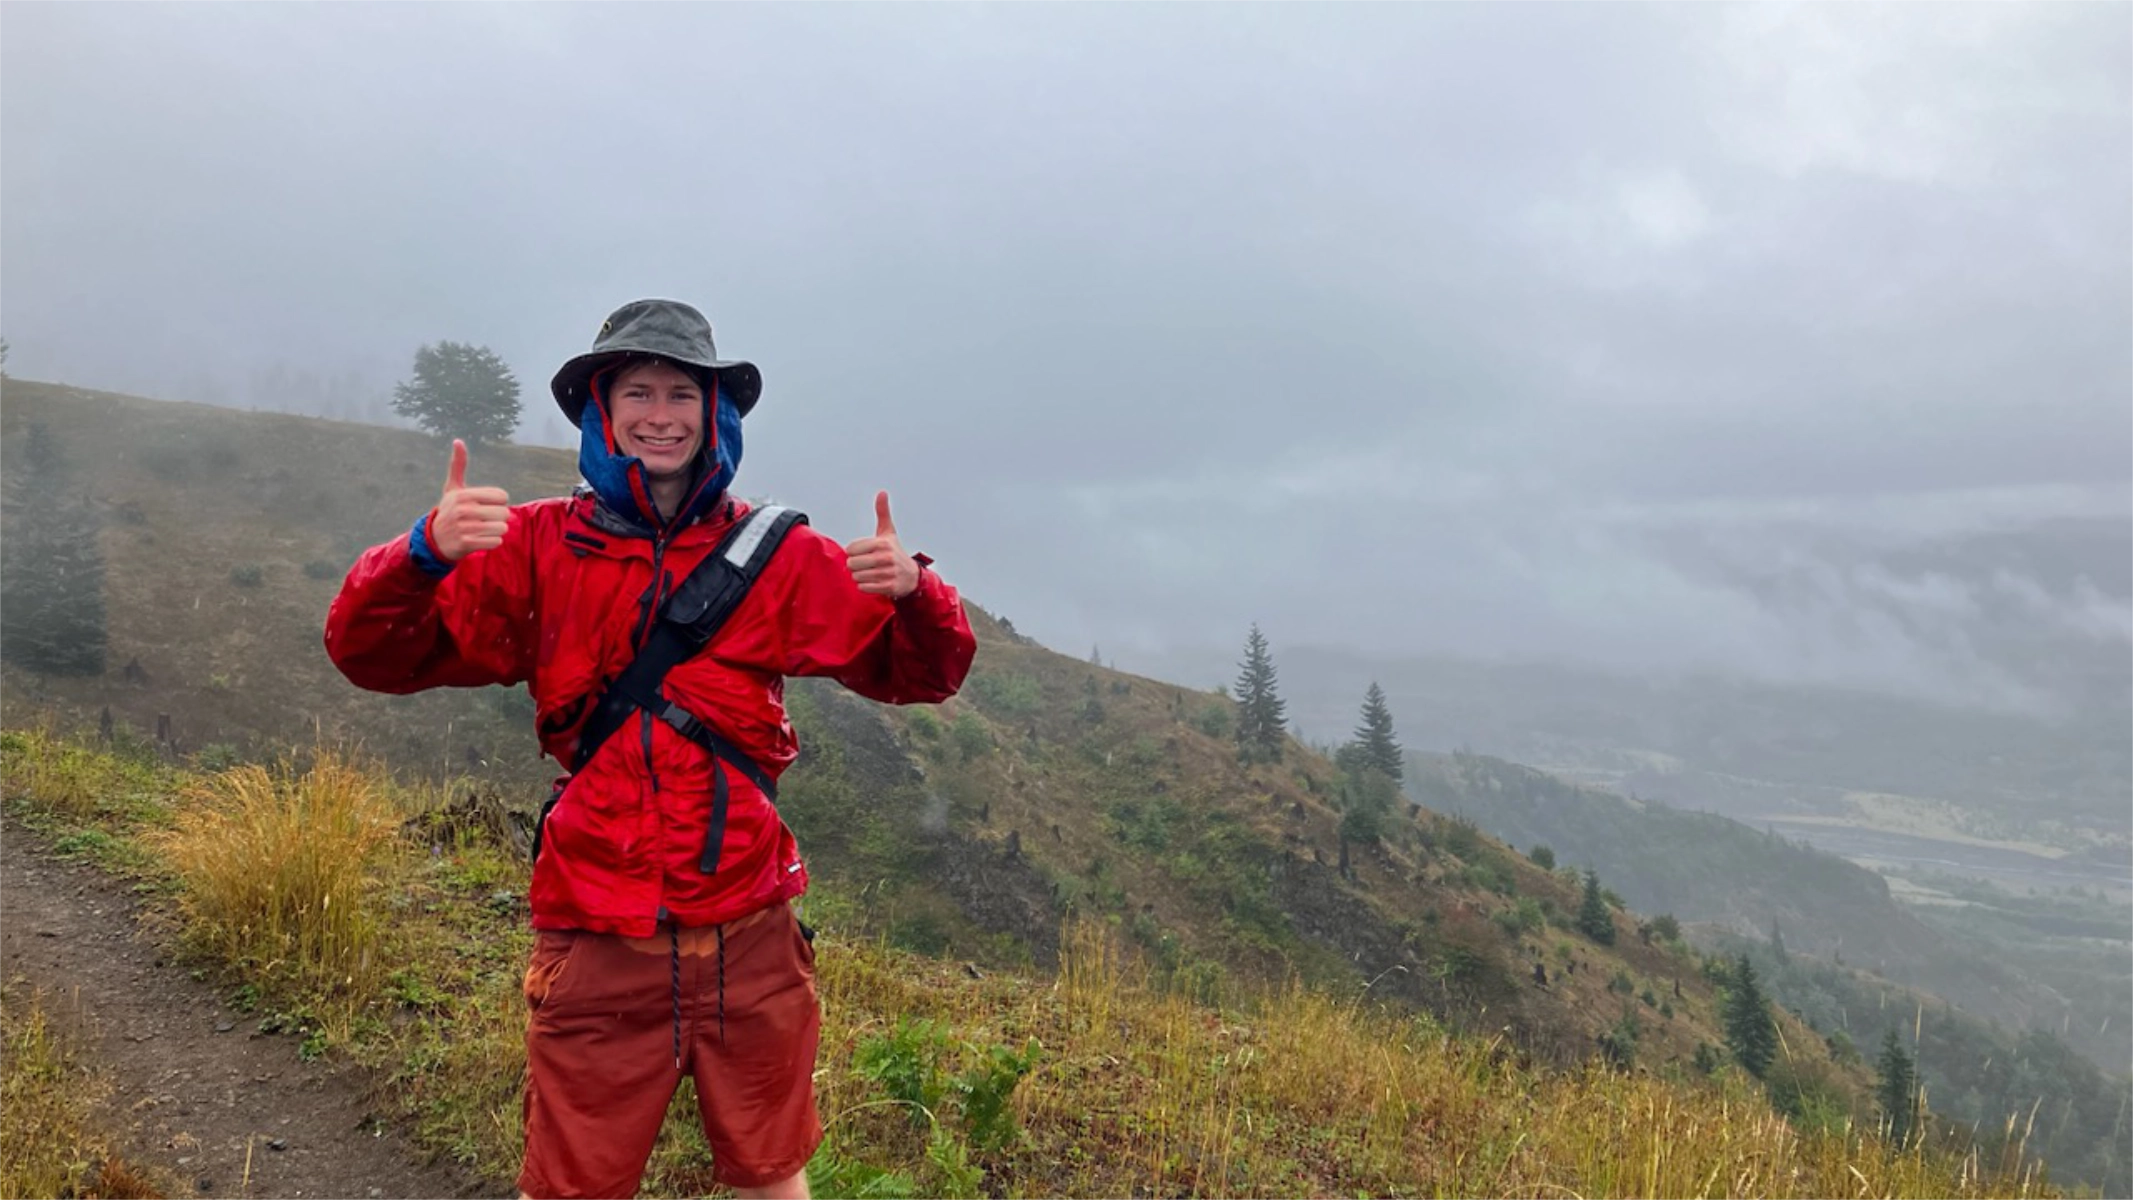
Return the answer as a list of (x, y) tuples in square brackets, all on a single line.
[(275, 867), (1141, 1093), (48, 1101)]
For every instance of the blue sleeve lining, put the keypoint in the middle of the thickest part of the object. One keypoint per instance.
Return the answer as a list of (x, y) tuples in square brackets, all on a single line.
[(426, 557)]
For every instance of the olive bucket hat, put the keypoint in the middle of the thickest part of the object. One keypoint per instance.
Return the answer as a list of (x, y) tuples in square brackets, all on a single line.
[(665, 329)]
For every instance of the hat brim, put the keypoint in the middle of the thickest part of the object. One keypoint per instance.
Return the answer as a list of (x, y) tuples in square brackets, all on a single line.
[(572, 386)]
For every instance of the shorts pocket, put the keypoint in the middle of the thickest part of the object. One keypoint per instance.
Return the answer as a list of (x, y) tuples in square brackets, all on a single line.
[(548, 971)]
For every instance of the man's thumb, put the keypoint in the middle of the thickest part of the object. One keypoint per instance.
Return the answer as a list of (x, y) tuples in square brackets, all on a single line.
[(883, 526), (456, 477)]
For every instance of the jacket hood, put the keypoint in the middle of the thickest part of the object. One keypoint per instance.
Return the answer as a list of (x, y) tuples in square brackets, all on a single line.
[(624, 485)]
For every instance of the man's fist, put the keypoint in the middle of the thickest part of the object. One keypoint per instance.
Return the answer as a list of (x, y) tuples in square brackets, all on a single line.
[(468, 518), (879, 565)]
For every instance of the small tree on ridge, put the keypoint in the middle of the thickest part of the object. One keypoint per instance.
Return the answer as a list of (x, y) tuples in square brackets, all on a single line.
[(460, 391), (1262, 715)]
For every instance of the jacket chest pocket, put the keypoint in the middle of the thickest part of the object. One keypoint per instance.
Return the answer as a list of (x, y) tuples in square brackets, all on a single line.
[(588, 614)]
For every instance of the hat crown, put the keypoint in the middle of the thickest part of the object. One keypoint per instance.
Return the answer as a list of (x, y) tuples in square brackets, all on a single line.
[(667, 328)]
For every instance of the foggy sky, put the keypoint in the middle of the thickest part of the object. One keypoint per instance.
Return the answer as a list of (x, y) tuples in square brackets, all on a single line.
[(1507, 330)]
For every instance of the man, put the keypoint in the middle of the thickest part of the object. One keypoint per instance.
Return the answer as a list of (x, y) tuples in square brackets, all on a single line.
[(666, 942)]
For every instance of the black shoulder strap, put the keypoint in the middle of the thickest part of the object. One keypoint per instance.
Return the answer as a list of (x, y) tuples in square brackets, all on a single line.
[(688, 621)]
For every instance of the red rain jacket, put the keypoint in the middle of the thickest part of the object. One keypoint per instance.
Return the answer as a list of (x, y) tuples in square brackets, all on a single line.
[(561, 605)]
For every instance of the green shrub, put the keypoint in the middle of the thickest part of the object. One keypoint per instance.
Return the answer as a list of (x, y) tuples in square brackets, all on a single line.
[(248, 575), (1484, 875), (1707, 1060), (985, 1089), (972, 736), (1010, 693), (1147, 824), (1461, 836), (1530, 915), (1619, 1043), (216, 757), (908, 1064), (1215, 719)]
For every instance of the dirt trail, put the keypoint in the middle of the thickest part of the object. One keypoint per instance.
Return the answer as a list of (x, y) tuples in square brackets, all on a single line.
[(195, 1084)]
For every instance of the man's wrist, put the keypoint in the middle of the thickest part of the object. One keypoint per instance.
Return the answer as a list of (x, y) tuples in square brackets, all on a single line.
[(422, 547)]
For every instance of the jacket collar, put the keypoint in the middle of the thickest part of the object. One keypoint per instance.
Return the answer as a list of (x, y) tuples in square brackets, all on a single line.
[(712, 520)]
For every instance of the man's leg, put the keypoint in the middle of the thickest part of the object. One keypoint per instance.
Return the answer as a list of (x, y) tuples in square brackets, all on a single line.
[(755, 1071), (784, 1189), (600, 1064)]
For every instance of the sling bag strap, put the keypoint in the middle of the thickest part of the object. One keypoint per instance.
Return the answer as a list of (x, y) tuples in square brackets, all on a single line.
[(688, 621)]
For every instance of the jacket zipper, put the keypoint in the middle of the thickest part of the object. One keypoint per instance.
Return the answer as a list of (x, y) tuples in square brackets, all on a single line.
[(644, 718), (659, 581)]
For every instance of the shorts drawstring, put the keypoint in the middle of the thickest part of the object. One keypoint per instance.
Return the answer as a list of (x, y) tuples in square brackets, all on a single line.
[(674, 974)]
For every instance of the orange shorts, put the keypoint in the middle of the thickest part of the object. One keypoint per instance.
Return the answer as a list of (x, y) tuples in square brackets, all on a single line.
[(601, 1052)]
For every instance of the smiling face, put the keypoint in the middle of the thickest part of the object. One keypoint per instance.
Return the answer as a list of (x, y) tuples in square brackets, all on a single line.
[(658, 415)]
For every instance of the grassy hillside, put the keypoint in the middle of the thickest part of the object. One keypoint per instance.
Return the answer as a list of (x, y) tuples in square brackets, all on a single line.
[(1054, 787), (1975, 1072), (1860, 962), (936, 1078), (225, 535)]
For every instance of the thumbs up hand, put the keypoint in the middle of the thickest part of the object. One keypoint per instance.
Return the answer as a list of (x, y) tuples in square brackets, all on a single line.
[(468, 518), (879, 565)]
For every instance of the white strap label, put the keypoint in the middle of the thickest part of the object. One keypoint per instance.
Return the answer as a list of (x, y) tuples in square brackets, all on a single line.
[(759, 523)]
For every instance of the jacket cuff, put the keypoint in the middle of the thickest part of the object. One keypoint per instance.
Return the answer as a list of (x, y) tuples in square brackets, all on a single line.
[(932, 595), (432, 564)]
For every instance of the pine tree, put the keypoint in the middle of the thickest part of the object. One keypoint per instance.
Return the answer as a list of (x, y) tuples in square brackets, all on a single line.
[(460, 391), (1594, 920), (1898, 1091), (1262, 716), (51, 567), (1374, 747), (1751, 1032)]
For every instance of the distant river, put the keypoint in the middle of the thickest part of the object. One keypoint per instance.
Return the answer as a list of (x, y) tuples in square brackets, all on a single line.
[(2015, 869)]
